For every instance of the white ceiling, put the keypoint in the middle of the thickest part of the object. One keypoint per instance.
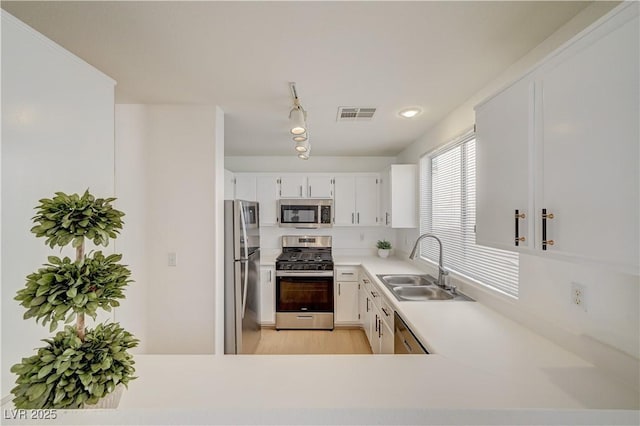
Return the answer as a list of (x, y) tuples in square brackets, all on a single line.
[(241, 56)]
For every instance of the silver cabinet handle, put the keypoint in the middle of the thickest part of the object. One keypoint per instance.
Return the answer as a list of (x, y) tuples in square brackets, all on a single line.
[(367, 304), (338, 289), (377, 323), (270, 275), (386, 218), (304, 316), (309, 190), (364, 280), (385, 311), (406, 345), (352, 218), (380, 328), (301, 190), (347, 273), (358, 217)]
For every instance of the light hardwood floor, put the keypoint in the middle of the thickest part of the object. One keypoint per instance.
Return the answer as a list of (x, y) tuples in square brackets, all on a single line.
[(339, 341)]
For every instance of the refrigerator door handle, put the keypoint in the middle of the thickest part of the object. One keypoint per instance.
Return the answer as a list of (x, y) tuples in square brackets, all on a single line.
[(243, 225), (246, 285)]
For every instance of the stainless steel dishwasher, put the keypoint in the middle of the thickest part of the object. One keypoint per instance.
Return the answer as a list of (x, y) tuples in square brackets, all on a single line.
[(405, 342)]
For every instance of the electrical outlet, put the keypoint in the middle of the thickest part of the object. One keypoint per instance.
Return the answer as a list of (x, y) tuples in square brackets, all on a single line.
[(579, 295), (172, 259)]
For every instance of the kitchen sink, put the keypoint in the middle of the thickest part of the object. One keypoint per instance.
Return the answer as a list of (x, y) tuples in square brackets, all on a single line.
[(407, 280), (424, 292), (408, 287)]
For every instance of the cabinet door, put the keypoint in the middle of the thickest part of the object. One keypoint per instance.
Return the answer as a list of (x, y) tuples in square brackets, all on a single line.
[(362, 303), (401, 193), (293, 186), (267, 295), (385, 197), (229, 185), (589, 149), (503, 140), (245, 187), (344, 204), (346, 302), (367, 197), (376, 321), (267, 195), (386, 339), (320, 187)]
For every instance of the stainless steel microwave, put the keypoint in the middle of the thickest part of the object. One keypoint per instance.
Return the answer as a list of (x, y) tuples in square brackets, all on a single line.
[(305, 213)]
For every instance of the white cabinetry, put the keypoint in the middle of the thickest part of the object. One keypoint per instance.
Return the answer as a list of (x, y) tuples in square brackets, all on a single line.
[(379, 320), (399, 196), (267, 196), (267, 295), (356, 200), (320, 186), (245, 186), (229, 185), (503, 140), (306, 186), (577, 138), (293, 186), (346, 295)]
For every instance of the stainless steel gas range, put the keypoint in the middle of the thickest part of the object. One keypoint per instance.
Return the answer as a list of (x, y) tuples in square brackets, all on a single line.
[(304, 283)]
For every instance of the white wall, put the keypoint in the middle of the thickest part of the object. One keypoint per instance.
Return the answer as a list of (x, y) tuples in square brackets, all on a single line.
[(608, 333), (57, 135), (291, 163), (131, 188), (171, 156)]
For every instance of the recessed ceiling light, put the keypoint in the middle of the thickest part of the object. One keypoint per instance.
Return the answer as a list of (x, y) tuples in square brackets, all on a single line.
[(410, 112)]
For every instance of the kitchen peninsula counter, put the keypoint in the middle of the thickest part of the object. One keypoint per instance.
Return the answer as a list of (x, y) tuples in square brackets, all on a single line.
[(485, 368)]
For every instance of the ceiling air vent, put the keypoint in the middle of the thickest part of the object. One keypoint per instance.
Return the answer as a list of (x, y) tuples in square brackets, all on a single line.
[(355, 114)]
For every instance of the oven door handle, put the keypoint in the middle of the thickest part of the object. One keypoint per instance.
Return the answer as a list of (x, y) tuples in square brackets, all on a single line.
[(304, 274)]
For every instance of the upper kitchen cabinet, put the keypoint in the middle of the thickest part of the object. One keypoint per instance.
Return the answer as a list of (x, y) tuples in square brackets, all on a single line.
[(229, 185), (356, 198), (587, 151), (399, 190), (503, 140), (293, 186), (319, 186), (306, 186), (245, 187), (562, 144), (267, 197)]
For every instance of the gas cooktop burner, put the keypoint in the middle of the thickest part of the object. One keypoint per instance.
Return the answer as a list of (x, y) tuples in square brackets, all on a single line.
[(305, 253)]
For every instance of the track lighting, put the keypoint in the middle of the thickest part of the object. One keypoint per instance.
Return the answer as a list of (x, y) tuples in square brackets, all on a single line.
[(302, 146), (298, 121)]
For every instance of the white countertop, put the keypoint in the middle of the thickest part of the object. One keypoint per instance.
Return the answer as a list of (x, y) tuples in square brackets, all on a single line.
[(485, 368)]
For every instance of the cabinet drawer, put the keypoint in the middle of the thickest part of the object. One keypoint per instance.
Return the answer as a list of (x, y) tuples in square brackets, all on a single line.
[(347, 274), (386, 311)]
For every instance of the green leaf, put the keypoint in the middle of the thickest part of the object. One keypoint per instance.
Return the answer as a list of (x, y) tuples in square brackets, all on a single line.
[(44, 371), (36, 390), (72, 292)]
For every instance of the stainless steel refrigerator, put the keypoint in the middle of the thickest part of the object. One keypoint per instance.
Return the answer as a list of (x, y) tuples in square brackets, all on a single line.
[(242, 276)]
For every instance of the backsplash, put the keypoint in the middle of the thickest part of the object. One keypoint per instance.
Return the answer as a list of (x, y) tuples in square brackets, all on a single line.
[(344, 237)]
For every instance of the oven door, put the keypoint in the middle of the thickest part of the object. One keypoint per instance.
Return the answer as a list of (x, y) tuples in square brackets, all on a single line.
[(304, 301)]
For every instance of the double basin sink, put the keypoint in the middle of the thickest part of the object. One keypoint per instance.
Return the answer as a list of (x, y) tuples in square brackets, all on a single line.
[(418, 288)]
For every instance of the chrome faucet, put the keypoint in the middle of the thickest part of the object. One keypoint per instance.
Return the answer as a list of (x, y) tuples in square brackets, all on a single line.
[(442, 273)]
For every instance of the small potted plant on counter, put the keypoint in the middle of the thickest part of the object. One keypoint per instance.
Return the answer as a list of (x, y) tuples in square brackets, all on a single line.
[(78, 367), (384, 247)]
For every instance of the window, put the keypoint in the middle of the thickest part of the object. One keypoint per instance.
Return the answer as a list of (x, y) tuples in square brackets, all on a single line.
[(447, 210)]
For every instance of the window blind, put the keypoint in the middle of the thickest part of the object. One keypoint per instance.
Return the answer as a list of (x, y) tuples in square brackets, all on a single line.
[(448, 210)]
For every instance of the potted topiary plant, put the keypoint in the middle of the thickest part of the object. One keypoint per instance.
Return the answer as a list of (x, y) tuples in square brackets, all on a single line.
[(384, 247), (78, 367)]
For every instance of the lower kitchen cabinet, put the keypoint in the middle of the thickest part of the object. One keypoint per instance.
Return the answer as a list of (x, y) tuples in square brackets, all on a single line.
[(267, 295), (377, 317), (346, 296), (346, 302)]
